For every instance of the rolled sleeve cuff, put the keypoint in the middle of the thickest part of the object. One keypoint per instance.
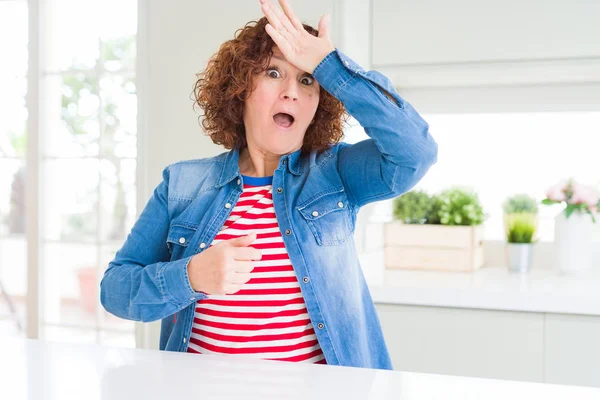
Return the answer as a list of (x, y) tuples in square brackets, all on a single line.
[(335, 71), (175, 283)]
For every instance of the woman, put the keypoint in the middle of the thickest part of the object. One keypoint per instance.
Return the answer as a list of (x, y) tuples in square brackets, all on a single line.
[(251, 252)]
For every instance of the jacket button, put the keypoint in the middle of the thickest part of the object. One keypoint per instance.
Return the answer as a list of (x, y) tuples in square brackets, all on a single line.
[(305, 279), (320, 326), (182, 240), (202, 245), (341, 205), (279, 190), (315, 213), (184, 340), (288, 232), (227, 205), (239, 181)]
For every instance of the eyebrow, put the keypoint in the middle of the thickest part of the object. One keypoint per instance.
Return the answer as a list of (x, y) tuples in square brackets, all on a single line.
[(283, 59)]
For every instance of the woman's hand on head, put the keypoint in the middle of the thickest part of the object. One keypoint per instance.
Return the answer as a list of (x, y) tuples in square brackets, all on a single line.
[(299, 47)]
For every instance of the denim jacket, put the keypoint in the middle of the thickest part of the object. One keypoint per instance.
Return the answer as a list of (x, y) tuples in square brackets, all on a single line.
[(147, 280)]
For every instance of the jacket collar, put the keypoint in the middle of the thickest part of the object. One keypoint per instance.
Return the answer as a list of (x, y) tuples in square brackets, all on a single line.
[(231, 168)]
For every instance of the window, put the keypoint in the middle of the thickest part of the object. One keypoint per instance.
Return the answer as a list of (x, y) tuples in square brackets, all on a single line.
[(88, 145), (13, 142), (88, 131), (501, 154)]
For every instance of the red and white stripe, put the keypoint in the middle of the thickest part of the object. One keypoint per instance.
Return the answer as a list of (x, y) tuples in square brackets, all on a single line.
[(268, 318)]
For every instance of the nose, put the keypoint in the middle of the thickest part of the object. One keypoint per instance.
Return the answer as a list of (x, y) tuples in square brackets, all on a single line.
[(290, 90)]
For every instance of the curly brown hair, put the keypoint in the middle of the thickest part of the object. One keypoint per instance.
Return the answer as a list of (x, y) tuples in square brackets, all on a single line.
[(227, 82)]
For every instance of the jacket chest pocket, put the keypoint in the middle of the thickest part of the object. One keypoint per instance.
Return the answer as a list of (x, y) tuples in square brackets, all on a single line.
[(328, 217), (178, 238)]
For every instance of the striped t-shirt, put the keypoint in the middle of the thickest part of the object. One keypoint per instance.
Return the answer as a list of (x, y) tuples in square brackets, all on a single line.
[(267, 318)]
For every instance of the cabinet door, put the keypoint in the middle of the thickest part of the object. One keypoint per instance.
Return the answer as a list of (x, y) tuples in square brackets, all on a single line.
[(572, 349), (479, 343), (465, 31)]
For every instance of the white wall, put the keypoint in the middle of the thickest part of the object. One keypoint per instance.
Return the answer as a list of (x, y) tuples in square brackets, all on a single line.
[(464, 56), (180, 37), (461, 56)]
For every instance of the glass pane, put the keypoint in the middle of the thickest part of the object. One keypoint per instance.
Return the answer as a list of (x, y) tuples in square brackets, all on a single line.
[(13, 285), (118, 37), (12, 197), (119, 53), (69, 335), (13, 123), (108, 320), (118, 198), (118, 339), (13, 77), (14, 35), (70, 200), (502, 154), (71, 127), (77, 31), (122, 15), (72, 31), (70, 284), (119, 112)]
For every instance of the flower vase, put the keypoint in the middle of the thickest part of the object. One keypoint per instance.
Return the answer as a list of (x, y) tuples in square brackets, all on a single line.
[(573, 238)]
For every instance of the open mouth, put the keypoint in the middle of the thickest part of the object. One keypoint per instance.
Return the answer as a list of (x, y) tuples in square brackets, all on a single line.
[(284, 120)]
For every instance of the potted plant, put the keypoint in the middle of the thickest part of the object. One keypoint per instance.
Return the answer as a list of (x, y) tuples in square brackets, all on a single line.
[(413, 207), (442, 232), (520, 232), (573, 226), (519, 203)]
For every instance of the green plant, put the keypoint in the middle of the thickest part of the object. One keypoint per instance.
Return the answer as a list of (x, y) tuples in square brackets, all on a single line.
[(520, 227), (433, 216), (519, 203), (459, 206), (412, 207)]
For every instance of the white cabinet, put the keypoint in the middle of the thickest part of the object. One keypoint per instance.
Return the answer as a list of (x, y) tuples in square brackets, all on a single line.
[(479, 343), (465, 31), (536, 347), (572, 349)]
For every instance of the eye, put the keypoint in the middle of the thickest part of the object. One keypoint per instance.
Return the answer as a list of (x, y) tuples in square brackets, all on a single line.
[(273, 73), (307, 80)]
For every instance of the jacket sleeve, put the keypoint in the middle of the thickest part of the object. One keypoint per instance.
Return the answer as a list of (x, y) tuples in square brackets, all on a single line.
[(400, 149), (140, 283)]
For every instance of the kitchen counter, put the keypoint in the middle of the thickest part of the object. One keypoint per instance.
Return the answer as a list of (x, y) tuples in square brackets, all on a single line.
[(31, 369), (490, 288)]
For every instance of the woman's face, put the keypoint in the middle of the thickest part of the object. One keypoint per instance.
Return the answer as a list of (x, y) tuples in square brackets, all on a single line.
[(281, 107)]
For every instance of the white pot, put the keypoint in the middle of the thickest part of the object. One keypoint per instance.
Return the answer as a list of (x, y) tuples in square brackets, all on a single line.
[(519, 256), (573, 238)]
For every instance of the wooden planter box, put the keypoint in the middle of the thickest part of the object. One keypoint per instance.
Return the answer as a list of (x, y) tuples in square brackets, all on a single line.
[(433, 247)]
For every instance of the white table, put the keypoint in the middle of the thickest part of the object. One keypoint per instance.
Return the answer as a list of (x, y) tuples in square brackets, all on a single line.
[(33, 370)]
